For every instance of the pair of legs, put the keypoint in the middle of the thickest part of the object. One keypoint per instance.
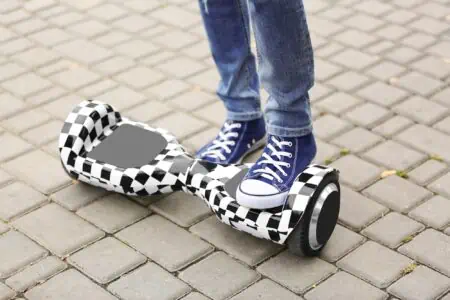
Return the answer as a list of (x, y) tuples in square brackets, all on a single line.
[(285, 70)]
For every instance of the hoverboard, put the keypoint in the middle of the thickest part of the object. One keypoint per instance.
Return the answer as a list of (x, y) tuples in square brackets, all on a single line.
[(100, 147)]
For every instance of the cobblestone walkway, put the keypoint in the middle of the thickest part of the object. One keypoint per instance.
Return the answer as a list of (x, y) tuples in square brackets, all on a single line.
[(381, 108)]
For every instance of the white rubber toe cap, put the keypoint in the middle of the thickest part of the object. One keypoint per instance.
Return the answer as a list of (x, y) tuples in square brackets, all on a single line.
[(258, 194)]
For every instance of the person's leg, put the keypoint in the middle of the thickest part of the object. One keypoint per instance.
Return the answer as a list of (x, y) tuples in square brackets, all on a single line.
[(227, 27), (286, 70)]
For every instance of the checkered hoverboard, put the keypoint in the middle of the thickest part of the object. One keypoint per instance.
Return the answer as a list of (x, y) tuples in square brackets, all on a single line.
[(173, 169)]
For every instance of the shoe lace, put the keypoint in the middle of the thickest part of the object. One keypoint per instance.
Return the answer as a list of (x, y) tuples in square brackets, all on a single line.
[(268, 172), (223, 141)]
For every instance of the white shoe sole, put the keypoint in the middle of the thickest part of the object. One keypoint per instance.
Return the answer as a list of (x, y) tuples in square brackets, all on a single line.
[(260, 201)]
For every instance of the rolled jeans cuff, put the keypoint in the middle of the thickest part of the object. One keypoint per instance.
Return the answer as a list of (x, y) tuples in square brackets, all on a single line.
[(289, 132), (244, 116)]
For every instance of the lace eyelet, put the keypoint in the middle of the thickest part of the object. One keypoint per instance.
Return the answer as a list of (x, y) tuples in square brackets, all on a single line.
[(290, 144), (289, 165), (280, 181), (290, 155)]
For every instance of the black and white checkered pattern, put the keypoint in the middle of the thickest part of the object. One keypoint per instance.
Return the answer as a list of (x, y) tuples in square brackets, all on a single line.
[(91, 122), (87, 126)]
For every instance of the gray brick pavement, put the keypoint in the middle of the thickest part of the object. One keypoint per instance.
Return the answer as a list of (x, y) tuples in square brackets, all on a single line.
[(380, 103)]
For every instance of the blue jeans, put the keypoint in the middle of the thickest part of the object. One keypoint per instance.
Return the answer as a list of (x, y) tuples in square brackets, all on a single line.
[(285, 61)]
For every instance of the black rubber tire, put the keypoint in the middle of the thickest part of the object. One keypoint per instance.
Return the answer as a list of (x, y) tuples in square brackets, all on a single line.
[(298, 240)]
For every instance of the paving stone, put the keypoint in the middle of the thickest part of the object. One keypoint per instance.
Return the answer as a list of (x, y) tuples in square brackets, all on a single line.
[(357, 139), (394, 155), (392, 126), (329, 49), (175, 16), (158, 57), (67, 18), (376, 264), (51, 36), (3, 228), (348, 81), (5, 292), (36, 273), (447, 297), (88, 28), (5, 177), (341, 242), (325, 152), (171, 246), (58, 230), (114, 65), (133, 23), (69, 285), (77, 195), (148, 111), (182, 209), (355, 172), (338, 103), (167, 89), (116, 96), (107, 12), (354, 38), (106, 260), (296, 273), (36, 57), (75, 78), (44, 134), (443, 125), (17, 251), (433, 66), (400, 16), (200, 50), (98, 88), (10, 105), (195, 296), (357, 211), (149, 282), (429, 25), (363, 22), (112, 213), (325, 69), (29, 168), (83, 51), (440, 49), (207, 80), (392, 229), (330, 126), (214, 113), (407, 194), (26, 120), (192, 100), (426, 139), (434, 212), (343, 286), (176, 39), (136, 48), (430, 248), (368, 115), (427, 171), (419, 83), (421, 110), (440, 186), (385, 70), (418, 40), (181, 67), (374, 8), (16, 46), (26, 84), (204, 276), (382, 94), (266, 290), (421, 284), (240, 245), (63, 106), (139, 77), (180, 124), (198, 140), (443, 97), (354, 59), (112, 38), (17, 199), (380, 48), (55, 67), (17, 146)]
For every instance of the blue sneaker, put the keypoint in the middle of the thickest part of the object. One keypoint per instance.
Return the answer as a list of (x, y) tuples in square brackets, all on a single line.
[(235, 140), (269, 180)]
